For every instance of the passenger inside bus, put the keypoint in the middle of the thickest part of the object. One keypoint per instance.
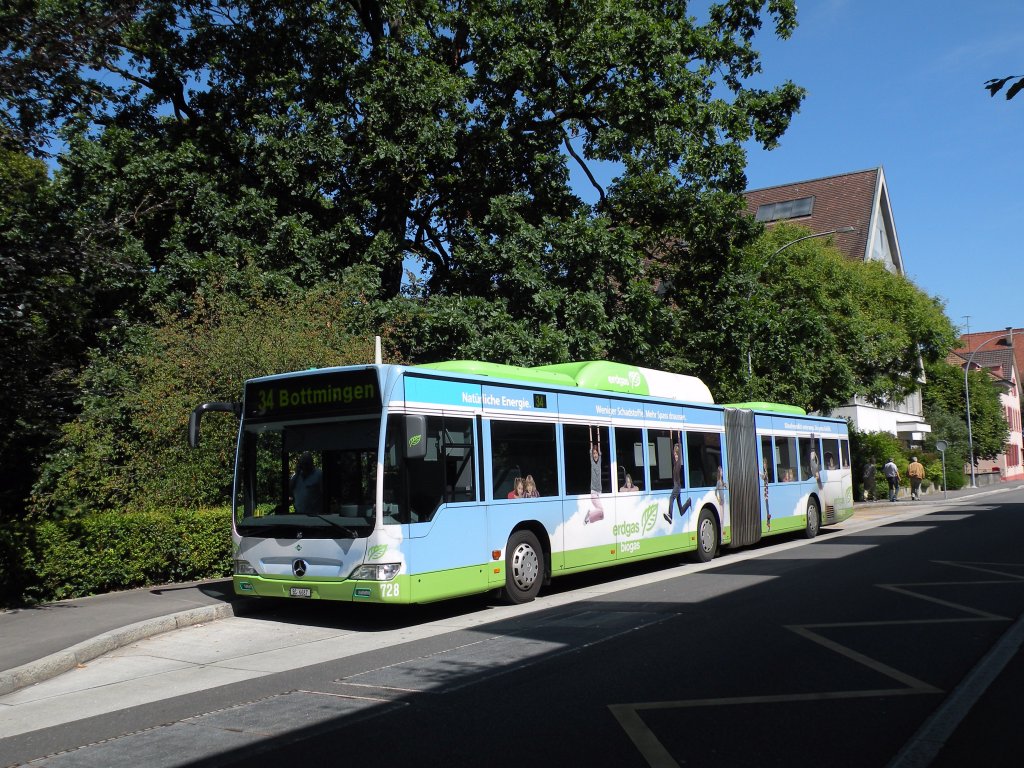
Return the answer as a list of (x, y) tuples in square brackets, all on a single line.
[(307, 486), (530, 488)]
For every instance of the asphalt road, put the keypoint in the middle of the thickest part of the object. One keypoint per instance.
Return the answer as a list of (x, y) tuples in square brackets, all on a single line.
[(865, 647)]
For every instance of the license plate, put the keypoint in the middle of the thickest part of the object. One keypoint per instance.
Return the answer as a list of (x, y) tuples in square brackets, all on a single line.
[(300, 592)]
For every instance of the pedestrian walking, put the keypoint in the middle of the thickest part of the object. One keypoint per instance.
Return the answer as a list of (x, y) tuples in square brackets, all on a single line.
[(916, 474), (869, 479), (892, 475)]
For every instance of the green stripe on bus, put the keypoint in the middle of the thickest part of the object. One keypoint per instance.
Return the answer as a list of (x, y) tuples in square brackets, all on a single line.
[(792, 410)]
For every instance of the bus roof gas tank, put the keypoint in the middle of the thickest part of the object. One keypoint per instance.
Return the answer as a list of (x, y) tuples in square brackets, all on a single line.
[(602, 375)]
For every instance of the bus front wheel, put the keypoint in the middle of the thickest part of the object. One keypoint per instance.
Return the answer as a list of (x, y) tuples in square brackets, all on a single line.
[(524, 567), (707, 536), (813, 519)]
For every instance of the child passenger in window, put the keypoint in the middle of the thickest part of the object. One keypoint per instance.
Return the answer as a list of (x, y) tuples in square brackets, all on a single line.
[(518, 489), (530, 488)]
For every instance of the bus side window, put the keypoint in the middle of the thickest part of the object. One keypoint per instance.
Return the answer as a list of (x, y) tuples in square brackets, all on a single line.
[(459, 474), (659, 452), (521, 449), (830, 453), (704, 458), (786, 455), (578, 458), (810, 458), (415, 487), (844, 450), (629, 459), (767, 460)]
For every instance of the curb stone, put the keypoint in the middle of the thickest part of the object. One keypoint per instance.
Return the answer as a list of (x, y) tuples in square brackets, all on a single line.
[(63, 661)]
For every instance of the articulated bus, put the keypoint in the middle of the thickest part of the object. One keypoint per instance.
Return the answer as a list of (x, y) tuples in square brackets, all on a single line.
[(411, 484)]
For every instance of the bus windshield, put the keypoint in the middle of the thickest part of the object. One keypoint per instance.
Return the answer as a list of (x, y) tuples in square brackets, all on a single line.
[(311, 480)]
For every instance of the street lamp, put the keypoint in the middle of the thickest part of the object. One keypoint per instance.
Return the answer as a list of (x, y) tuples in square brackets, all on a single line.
[(967, 396), (837, 231)]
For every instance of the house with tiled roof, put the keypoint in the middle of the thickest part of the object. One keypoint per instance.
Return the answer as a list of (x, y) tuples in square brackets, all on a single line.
[(996, 352), (860, 200), (982, 340)]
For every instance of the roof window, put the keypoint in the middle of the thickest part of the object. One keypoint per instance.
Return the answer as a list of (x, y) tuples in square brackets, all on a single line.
[(785, 209)]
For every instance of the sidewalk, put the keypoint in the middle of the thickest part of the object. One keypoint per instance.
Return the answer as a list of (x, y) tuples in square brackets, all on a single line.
[(42, 642), (39, 643)]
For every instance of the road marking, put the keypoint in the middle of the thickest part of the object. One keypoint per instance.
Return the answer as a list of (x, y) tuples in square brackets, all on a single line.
[(931, 737), (926, 743)]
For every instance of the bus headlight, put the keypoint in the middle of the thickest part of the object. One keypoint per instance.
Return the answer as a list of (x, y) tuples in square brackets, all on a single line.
[(376, 572), (242, 568)]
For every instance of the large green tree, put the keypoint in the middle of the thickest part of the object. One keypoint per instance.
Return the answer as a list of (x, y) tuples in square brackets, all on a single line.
[(302, 139), (814, 328), (46, 322)]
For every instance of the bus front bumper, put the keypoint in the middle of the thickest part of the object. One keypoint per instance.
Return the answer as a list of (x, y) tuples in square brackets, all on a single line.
[(347, 590)]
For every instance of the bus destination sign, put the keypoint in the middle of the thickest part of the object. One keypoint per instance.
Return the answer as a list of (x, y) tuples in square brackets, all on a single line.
[(335, 393)]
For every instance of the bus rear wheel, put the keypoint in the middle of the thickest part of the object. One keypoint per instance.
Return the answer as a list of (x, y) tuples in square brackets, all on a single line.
[(813, 519), (707, 536), (524, 567)]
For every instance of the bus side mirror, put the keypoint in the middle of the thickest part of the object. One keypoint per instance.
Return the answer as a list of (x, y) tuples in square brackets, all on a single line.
[(415, 437), (197, 415)]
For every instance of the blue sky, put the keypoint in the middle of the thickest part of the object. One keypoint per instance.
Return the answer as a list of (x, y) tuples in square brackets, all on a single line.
[(900, 84)]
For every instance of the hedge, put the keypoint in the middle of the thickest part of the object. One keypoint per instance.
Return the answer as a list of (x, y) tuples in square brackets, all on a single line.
[(110, 551)]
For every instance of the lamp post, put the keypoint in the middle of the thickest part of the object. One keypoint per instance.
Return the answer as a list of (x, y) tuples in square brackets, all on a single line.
[(837, 231), (967, 397)]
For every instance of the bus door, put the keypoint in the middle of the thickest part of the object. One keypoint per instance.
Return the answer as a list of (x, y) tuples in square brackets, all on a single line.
[(784, 490), (831, 479), (637, 512), (706, 467), (743, 477), (810, 463), (666, 460), (588, 508), (521, 462), (432, 491)]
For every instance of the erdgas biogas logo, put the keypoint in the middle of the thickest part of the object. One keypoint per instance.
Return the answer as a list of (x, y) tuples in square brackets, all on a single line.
[(647, 520), (626, 529)]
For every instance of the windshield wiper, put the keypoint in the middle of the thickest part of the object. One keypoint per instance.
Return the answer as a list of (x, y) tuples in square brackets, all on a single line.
[(350, 531)]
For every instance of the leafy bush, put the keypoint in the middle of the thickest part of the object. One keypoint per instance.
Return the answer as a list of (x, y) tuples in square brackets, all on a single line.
[(15, 554), (127, 450), (875, 448), (954, 473), (110, 551)]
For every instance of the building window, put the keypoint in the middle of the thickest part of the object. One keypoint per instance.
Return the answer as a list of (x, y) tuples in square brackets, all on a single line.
[(785, 209)]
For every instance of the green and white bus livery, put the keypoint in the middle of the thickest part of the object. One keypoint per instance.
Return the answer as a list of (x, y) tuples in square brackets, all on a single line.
[(411, 484)]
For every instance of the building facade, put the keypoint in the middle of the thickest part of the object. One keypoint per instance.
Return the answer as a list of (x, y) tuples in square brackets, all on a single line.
[(996, 352)]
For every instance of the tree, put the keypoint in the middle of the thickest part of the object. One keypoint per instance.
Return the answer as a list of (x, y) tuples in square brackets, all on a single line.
[(252, 149), (995, 85), (814, 328), (304, 139), (945, 398), (127, 448), (44, 323)]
